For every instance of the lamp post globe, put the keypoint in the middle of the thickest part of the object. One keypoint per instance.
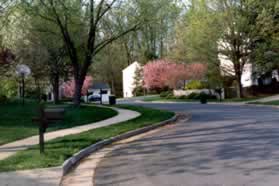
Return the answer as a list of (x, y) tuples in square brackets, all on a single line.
[(23, 71)]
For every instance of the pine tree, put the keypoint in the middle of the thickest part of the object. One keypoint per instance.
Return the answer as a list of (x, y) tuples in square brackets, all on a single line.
[(138, 82)]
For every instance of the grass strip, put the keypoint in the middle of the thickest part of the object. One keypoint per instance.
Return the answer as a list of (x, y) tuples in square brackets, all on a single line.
[(273, 103), (16, 120), (158, 98), (60, 149)]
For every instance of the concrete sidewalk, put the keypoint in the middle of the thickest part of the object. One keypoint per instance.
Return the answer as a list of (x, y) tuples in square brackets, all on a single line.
[(268, 99), (38, 177), (11, 148), (50, 176)]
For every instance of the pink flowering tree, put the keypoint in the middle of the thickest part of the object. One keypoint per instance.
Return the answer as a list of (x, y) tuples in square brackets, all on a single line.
[(197, 71), (163, 74), (69, 87)]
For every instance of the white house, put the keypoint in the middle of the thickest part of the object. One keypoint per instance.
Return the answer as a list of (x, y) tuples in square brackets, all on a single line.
[(129, 74), (247, 78)]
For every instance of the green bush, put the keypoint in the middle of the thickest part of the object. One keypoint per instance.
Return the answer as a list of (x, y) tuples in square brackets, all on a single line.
[(166, 94), (31, 93), (171, 96), (183, 97), (195, 85), (194, 96), (3, 99), (8, 87), (197, 96), (203, 98), (138, 91)]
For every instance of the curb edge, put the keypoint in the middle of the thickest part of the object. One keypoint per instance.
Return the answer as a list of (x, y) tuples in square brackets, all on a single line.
[(75, 159)]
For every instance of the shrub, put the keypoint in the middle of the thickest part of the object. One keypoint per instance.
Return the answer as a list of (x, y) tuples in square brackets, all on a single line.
[(3, 99), (183, 97), (194, 96), (170, 96), (197, 96), (31, 93), (203, 98), (195, 85), (139, 91), (166, 94)]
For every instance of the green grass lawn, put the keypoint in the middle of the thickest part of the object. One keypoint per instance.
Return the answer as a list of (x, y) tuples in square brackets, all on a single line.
[(242, 99), (58, 150), (158, 98), (275, 103), (16, 120)]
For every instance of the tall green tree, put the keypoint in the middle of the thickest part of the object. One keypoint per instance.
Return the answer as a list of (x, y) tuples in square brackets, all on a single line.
[(236, 38), (81, 26), (109, 65), (197, 33), (156, 35), (264, 18), (219, 29)]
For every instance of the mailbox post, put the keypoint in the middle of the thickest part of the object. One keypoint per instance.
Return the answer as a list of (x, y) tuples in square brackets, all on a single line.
[(46, 117)]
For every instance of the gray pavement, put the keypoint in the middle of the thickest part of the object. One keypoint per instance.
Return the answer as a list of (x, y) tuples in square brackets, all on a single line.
[(222, 146)]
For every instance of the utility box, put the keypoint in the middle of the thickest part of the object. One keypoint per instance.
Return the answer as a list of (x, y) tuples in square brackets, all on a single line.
[(112, 100)]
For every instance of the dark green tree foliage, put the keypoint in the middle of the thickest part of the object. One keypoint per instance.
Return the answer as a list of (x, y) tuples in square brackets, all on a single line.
[(156, 35), (138, 82), (264, 19), (235, 39), (109, 65)]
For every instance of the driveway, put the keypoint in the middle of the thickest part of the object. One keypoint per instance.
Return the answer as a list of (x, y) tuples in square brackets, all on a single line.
[(220, 146)]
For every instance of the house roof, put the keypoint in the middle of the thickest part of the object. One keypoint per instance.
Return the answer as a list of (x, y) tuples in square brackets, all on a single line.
[(100, 85), (131, 65)]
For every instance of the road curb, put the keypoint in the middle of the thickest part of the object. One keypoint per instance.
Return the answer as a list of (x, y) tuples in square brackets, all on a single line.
[(216, 103), (71, 162), (247, 105)]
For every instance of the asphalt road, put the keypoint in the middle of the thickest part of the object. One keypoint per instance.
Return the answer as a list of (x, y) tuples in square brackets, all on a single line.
[(220, 146)]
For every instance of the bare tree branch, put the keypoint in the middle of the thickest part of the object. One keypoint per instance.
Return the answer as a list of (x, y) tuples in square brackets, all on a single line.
[(100, 13), (104, 43)]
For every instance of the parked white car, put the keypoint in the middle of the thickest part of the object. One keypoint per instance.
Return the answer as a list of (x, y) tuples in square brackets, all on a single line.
[(94, 97)]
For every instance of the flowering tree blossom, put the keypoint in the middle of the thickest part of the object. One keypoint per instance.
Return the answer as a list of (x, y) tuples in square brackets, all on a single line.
[(161, 74), (197, 71), (69, 87)]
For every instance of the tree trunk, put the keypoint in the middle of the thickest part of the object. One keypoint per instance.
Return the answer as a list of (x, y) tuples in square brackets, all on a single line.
[(239, 86), (55, 87), (78, 89), (113, 87), (38, 90), (79, 80)]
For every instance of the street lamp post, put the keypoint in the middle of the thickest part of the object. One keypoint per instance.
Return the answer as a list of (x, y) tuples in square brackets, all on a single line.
[(23, 71)]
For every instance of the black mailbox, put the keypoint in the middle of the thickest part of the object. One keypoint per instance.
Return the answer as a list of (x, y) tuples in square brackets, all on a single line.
[(47, 116), (54, 114)]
